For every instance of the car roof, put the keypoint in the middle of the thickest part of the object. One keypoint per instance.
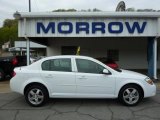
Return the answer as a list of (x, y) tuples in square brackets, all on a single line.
[(67, 56)]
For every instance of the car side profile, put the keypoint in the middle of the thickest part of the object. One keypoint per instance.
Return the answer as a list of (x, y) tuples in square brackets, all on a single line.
[(79, 77)]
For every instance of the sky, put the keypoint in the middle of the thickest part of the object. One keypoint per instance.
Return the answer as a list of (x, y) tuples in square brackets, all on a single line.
[(9, 7)]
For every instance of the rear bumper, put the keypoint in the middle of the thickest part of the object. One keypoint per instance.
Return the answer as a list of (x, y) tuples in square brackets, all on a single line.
[(15, 86)]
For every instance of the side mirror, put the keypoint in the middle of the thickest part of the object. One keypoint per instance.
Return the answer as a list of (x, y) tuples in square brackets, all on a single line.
[(107, 72)]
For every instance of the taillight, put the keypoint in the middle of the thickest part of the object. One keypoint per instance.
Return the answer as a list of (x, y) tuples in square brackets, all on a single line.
[(13, 74), (14, 61)]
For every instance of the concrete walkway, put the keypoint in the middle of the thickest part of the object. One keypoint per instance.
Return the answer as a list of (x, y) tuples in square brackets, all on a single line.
[(14, 107)]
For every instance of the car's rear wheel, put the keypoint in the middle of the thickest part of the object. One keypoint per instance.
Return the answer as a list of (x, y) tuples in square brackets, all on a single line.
[(130, 95), (36, 95), (2, 75)]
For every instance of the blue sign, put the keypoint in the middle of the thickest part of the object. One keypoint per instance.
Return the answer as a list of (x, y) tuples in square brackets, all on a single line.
[(92, 28)]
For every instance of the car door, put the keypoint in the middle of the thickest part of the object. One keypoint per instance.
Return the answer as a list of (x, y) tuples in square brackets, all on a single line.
[(90, 80), (58, 75)]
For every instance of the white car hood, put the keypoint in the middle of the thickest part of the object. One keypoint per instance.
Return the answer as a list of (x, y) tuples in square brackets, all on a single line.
[(131, 74)]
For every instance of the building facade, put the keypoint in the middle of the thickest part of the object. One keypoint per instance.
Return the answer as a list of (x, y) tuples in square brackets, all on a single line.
[(129, 38)]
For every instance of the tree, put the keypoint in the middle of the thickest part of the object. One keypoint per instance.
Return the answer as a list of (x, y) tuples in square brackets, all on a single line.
[(74, 10), (64, 10), (9, 31), (141, 10), (130, 9), (96, 10), (146, 10), (10, 22)]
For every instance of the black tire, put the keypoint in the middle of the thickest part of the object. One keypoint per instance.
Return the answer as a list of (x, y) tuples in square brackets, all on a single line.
[(32, 93), (129, 93), (2, 75)]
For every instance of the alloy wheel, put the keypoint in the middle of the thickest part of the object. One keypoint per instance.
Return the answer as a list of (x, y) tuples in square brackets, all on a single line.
[(35, 96), (131, 96)]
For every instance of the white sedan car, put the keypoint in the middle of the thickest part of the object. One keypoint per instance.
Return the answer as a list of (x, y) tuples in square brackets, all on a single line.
[(79, 77)]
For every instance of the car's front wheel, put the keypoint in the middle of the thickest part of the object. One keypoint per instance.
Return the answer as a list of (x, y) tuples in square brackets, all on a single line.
[(130, 95), (36, 95)]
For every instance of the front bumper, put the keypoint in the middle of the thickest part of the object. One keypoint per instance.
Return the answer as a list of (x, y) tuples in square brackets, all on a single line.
[(150, 90)]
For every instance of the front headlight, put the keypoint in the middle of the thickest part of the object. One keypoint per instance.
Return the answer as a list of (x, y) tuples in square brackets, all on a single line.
[(149, 81)]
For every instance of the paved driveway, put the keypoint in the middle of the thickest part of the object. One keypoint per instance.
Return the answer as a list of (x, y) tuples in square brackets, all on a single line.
[(14, 107)]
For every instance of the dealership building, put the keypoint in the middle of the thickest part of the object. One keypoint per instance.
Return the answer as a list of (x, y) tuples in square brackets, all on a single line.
[(129, 38)]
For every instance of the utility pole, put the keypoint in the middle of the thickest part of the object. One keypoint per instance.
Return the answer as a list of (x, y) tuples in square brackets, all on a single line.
[(29, 5), (28, 41)]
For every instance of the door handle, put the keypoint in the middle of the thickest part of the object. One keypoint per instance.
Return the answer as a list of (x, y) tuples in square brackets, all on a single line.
[(49, 76), (82, 78)]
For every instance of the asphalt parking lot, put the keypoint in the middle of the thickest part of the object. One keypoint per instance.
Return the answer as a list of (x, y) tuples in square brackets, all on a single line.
[(14, 107)]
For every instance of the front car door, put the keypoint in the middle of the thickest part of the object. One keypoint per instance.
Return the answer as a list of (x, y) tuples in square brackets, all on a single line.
[(57, 73), (90, 80)]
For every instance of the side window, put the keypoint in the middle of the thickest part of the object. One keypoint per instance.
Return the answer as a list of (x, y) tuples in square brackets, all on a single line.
[(63, 64), (87, 66), (46, 65)]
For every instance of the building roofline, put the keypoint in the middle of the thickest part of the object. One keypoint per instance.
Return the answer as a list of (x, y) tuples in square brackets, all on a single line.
[(19, 15)]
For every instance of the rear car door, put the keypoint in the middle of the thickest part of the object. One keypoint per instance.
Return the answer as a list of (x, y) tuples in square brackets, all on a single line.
[(57, 73)]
